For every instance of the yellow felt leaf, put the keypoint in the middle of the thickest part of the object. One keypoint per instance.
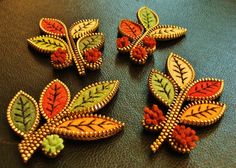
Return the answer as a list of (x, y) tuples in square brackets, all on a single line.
[(180, 70), (83, 27), (202, 113), (167, 32)]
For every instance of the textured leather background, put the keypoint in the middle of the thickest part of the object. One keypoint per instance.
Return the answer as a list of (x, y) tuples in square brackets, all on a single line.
[(210, 46)]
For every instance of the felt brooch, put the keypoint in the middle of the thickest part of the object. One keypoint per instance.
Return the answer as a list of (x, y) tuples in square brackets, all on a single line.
[(140, 39), (174, 90), (66, 119), (80, 44)]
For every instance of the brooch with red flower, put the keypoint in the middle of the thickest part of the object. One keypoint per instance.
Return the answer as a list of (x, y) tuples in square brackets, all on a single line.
[(79, 44), (174, 91), (140, 39)]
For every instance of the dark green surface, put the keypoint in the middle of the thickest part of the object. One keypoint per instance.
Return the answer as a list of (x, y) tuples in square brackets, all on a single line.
[(209, 45)]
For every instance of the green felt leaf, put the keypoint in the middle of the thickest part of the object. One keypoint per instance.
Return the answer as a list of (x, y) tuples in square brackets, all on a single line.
[(23, 112), (94, 97), (147, 17), (162, 87), (47, 43), (90, 41)]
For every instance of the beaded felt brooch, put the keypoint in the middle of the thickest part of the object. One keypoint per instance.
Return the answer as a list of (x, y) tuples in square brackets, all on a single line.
[(173, 90), (85, 53), (69, 120), (140, 39)]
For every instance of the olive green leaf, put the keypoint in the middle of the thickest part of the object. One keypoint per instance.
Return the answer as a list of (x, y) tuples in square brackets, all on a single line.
[(47, 43), (162, 87), (167, 32), (147, 17), (23, 113), (94, 97), (83, 27), (94, 40)]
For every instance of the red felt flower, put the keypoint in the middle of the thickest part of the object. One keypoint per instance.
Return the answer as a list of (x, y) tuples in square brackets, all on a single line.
[(122, 42), (139, 52), (153, 116), (59, 56), (185, 136), (149, 42), (92, 55)]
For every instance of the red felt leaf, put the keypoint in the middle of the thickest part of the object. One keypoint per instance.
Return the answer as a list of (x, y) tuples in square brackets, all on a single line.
[(54, 99), (52, 25), (205, 89), (130, 29)]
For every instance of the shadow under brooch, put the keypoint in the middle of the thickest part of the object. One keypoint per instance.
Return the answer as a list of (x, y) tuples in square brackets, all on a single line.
[(173, 90), (59, 42), (68, 120), (140, 39)]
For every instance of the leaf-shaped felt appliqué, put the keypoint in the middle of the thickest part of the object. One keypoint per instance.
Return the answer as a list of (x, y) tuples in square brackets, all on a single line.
[(147, 17), (47, 43), (202, 113), (130, 29), (94, 97), (180, 70), (52, 26), (54, 99), (83, 27), (95, 40), (162, 87), (23, 113), (205, 89), (88, 127), (167, 32)]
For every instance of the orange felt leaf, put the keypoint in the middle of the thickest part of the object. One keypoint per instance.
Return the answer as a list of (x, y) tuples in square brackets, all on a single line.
[(52, 26), (202, 113), (54, 99), (205, 89), (87, 127), (130, 29)]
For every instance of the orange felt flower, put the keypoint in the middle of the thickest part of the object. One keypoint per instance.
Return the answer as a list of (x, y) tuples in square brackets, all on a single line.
[(149, 42), (185, 136), (122, 42), (92, 55), (153, 116), (59, 56), (139, 52)]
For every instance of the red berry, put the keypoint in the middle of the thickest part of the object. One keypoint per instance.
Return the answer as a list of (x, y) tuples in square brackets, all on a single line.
[(186, 137), (149, 42), (153, 116), (92, 55), (59, 56), (139, 52), (122, 42)]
